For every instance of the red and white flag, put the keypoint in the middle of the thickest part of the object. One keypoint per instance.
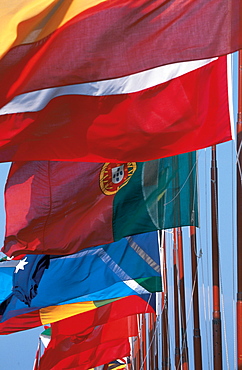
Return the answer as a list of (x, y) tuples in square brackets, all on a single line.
[(160, 112), (112, 80)]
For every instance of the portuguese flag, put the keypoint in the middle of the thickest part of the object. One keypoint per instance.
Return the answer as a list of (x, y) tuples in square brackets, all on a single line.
[(55, 207)]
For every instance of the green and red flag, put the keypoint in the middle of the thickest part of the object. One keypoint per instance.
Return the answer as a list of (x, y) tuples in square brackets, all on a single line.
[(55, 207), (45, 336)]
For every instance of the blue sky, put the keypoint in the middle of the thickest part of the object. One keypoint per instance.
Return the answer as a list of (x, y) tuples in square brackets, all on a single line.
[(17, 351)]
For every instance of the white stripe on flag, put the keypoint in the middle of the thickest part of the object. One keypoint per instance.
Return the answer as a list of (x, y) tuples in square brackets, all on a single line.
[(36, 100), (132, 284)]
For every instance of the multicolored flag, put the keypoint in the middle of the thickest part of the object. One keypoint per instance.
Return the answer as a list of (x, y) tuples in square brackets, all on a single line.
[(97, 273), (64, 327), (119, 364), (117, 25), (90, 313), (63, 207), (45, 336)]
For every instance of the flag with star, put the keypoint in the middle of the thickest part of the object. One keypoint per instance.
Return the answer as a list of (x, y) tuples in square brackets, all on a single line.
[(102, 272), (20, 265), (27, 278)]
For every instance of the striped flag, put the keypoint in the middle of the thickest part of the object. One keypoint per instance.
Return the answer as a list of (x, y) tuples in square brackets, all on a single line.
[(102, 80)]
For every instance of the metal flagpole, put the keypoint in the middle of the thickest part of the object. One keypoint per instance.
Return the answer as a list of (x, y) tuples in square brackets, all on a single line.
[(197, 345), (217, 343), (185, 364), (239, 217), (147, 340), (165, 333), (196, 322), (176, 304)]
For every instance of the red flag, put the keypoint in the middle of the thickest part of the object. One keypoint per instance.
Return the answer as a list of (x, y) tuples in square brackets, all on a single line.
[(116, 329), (71, 326), (101, 313), (131, 118), (71, 350), (104, 353)]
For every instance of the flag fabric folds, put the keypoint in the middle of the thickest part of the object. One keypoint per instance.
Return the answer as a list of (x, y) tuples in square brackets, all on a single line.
[(93, 274), (105, 85), (26, 278), (66, 350), (126, 118), (200, 31), (62, 207), (104, 352), (6, 277), (91, 313), (117, 310), (45, 336), (121, 363), (118, 365)]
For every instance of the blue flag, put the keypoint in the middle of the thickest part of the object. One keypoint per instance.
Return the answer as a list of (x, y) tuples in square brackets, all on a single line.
[(126, 267), (6, 277), (27, 276)]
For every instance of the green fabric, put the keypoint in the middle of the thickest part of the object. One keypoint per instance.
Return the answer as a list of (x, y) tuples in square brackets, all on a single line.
[(46, 332), (161, 194), (105, 301), (152, 284)]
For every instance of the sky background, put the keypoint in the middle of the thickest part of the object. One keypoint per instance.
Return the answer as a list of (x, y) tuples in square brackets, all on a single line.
[(17, 351)]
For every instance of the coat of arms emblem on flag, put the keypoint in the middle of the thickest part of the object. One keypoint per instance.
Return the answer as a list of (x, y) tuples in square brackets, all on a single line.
[(114, 176)]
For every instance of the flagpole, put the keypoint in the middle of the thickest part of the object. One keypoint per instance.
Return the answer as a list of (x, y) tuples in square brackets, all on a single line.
[(197, 346), (196, 321), (159, 329), (165, 333), (185, 364), (132, 352), (217, 343), (239, 217), (147, 340), (153, 341), (176, 304), (143, 342), (137, 346)]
